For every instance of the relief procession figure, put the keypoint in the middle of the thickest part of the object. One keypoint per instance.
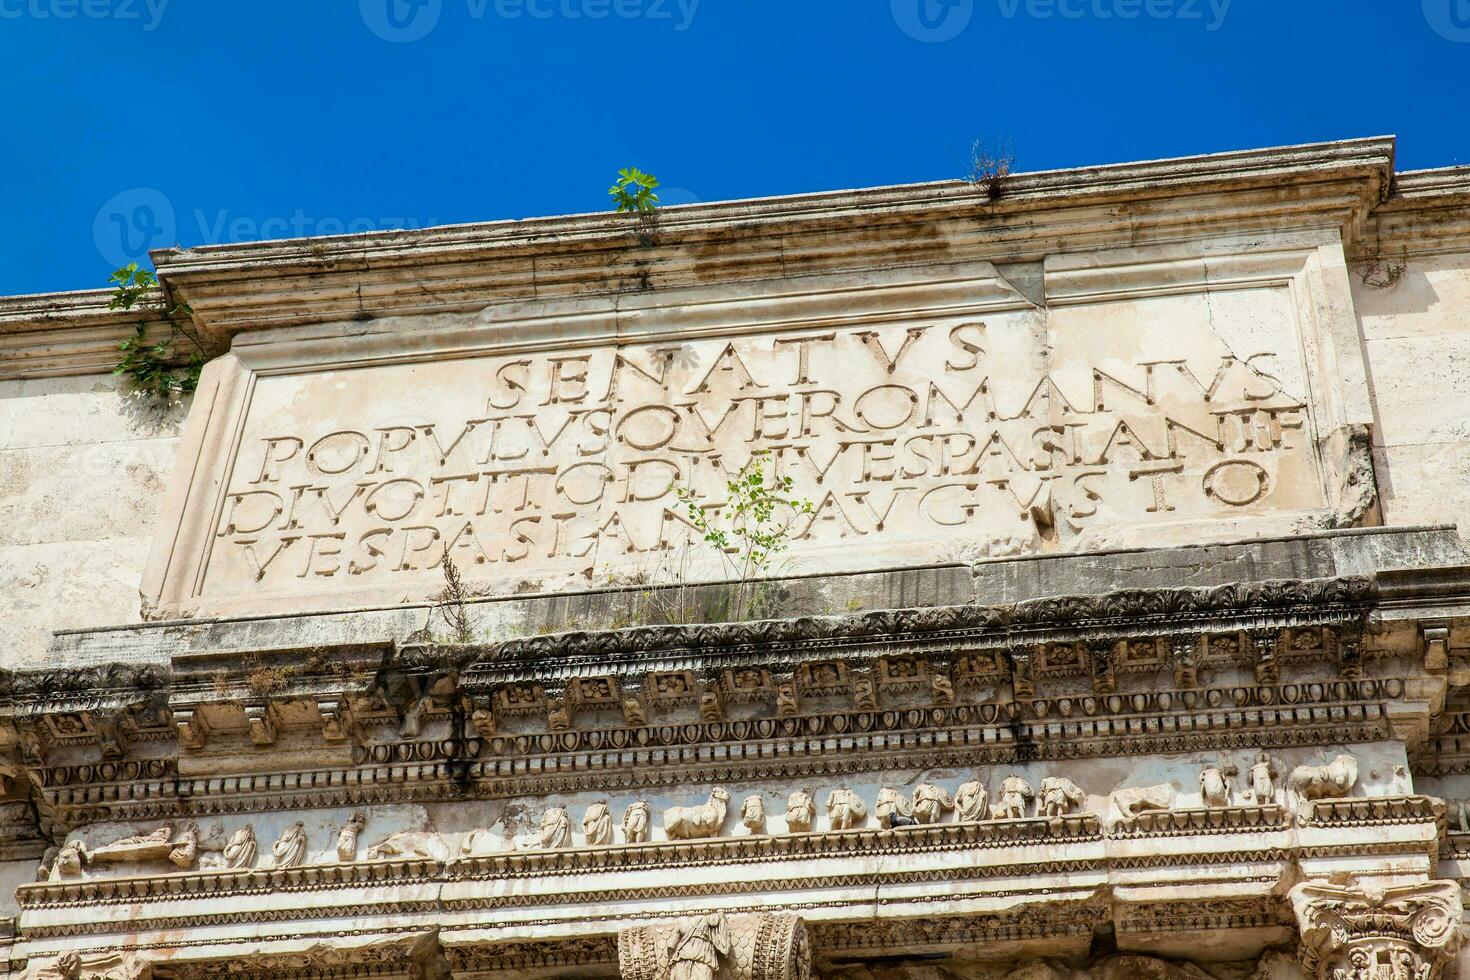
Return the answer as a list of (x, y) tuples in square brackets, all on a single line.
[(969, 802), (893, 810), (597, 825), (240, 852), (556, 829), (931, 803), (845, 809), (753, 814), (1214, 785), (800, 812), (636, 820), (185, 849), (1015, 794), (1263, 780), (1060, 796), (69, 861), (289, 851), (347, 837)]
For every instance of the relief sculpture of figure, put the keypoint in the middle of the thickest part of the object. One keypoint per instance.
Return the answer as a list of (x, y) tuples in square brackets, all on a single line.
[(845, 809), (48, 859), (239, 853), (1060, 796), (697, 945), (1263, 780), (969, 802), (1015, 794), (185, 849), (635, 822), (931, 803), (347, 837), (69, 861), (556, 829), (893, 810), (597, 825), (289, 851), (1214, 785), (753, 814), (160, 836), (800, 812)]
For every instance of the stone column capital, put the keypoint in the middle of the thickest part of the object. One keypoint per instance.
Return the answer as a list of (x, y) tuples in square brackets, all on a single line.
[(1365, 931), (745, 946)]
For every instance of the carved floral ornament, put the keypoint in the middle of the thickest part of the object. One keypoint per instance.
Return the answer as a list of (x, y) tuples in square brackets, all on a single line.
[(1364, 931)]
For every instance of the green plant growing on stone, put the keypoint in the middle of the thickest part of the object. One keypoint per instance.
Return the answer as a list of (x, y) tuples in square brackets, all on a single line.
[(634, 192), (157, 369), (749, 530), (452, 602)]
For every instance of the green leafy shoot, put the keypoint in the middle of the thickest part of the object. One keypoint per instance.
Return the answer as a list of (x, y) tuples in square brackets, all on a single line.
[(154, 367), (634, 191), (752, 527)]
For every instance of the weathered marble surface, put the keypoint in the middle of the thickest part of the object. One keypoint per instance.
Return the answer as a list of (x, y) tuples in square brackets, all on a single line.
[(83, 467)]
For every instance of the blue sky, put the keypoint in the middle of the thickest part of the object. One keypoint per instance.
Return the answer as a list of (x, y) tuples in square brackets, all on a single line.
[(133, 122)]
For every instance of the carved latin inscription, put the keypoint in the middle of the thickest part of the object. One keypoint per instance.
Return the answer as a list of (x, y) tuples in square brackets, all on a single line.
[(556, 463)]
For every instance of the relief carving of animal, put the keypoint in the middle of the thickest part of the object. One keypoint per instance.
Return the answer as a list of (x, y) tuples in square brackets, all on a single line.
[(1308, 783), (1137, 799), (690, 822), (409, 845)]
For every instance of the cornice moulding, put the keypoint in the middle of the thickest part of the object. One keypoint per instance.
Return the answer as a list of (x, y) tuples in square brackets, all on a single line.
[(50, 335), (460, 268), (1428, 213)]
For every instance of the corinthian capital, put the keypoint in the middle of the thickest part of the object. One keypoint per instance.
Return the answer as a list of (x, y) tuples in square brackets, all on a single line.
[(747, 946), (1361, 931)]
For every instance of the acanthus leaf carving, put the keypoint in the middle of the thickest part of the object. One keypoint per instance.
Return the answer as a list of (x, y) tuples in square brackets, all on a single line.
[(1362, 931), (741, 946)]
